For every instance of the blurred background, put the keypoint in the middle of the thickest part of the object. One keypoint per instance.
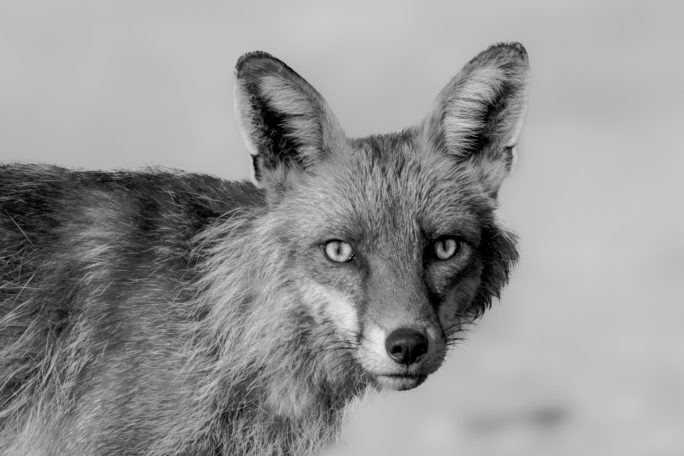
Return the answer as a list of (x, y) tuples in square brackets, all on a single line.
[(584, 355)]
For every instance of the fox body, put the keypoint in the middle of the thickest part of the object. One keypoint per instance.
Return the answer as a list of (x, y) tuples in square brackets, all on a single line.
[(167, 313)]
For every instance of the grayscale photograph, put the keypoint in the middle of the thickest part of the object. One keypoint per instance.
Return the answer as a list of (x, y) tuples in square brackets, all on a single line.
[(341, 228)]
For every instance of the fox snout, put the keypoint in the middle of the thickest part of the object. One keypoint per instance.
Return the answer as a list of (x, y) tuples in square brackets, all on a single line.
[(403, 357), (400, 346)]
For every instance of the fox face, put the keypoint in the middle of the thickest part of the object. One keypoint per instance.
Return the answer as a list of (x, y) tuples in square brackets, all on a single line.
[(392, 240)]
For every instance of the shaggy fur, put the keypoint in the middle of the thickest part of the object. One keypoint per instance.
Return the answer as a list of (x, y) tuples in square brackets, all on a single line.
[(165, 313)]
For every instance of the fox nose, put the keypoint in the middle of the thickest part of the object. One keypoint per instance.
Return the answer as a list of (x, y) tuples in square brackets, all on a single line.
[(406, 346)]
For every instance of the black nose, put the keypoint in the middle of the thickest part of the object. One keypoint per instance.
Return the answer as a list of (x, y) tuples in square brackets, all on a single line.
[(406, 346)]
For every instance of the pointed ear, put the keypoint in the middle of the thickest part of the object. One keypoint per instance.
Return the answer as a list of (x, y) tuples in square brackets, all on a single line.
[(285, 122), (477, 117)]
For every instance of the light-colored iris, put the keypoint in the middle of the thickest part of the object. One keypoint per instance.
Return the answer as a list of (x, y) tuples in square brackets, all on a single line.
[(338, 251), (446, 248)]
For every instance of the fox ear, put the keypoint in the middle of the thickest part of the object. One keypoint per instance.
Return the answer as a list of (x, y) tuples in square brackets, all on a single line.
[(477, 117), (284, 121)]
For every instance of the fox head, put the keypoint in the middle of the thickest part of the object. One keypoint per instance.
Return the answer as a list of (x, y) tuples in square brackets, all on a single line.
[(392, 239)]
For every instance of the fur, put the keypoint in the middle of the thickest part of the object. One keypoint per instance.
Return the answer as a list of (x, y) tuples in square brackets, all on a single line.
[(165, 313)]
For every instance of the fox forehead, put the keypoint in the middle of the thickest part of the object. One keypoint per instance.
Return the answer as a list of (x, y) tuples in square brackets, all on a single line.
[(391, 187)]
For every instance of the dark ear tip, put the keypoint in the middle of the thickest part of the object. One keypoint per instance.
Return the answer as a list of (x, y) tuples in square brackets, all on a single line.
[(509, 50), (512, 46), (252, 57)]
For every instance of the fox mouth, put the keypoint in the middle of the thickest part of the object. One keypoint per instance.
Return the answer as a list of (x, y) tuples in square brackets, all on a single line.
[(400, 382)]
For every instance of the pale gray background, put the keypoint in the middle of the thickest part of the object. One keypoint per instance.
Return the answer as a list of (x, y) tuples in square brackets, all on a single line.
[(589, 333)]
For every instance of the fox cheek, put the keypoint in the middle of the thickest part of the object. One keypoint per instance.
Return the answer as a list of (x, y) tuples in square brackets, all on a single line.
[(458, 300)]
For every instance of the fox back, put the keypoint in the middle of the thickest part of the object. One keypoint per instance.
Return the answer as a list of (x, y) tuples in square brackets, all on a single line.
[(166, 313)]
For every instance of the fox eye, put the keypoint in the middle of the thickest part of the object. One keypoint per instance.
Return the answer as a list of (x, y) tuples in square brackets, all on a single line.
[(338, 251), (446, 247)]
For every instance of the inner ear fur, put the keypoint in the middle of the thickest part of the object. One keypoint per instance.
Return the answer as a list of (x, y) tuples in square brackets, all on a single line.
[(478, 115), (285, 123)]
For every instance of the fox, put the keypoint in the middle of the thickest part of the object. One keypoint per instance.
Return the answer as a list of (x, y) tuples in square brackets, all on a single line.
[(159, 312)]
